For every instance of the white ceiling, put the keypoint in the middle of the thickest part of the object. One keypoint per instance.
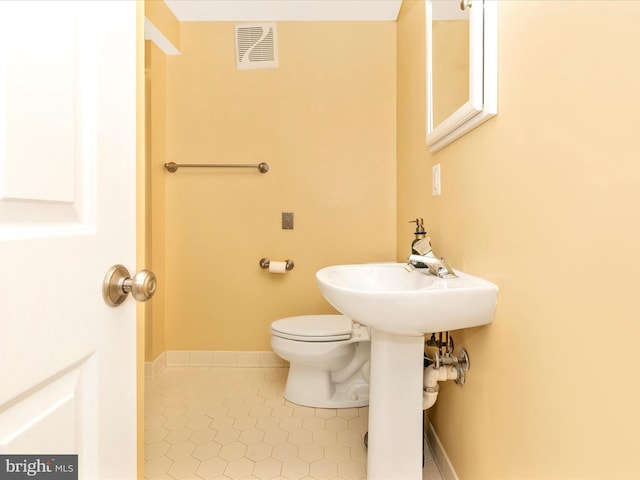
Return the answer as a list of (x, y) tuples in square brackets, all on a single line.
[(283, 10)]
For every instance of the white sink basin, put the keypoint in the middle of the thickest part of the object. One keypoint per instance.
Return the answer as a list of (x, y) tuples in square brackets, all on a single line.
[(387, 297)]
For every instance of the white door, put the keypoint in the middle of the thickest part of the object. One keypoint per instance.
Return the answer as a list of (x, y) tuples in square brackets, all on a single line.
[(67, 214)]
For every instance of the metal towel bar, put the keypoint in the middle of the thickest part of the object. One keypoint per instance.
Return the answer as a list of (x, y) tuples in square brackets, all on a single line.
[(173, 167)]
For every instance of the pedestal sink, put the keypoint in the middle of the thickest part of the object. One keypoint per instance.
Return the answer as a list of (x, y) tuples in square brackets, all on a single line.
[(402, 305)]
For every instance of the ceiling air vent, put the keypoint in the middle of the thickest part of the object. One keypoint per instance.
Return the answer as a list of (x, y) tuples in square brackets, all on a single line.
[(256, 46)]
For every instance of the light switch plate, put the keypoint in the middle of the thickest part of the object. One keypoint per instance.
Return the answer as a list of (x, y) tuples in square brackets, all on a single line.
[(435, 177)]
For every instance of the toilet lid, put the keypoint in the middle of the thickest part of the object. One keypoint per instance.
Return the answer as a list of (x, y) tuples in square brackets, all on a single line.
[(313, 328)]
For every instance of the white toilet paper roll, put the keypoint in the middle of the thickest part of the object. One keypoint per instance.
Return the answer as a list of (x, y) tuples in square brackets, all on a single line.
[(278, 267)]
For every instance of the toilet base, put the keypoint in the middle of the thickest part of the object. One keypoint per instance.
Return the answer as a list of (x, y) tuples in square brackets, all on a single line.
[(313, 387)]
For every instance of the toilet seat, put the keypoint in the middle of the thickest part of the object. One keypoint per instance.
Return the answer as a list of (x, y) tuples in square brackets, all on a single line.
[(313, 328)]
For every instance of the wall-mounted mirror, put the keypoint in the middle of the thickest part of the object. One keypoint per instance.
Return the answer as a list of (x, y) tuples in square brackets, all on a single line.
[(462, 67)]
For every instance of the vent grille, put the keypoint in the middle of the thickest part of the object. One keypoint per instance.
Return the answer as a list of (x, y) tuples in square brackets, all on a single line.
[(256, 46)]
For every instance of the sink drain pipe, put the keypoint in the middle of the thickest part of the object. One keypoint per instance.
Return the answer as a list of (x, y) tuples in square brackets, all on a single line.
[(442, 368), (432, 376)]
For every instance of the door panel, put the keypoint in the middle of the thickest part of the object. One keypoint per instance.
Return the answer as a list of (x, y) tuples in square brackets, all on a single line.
[(67, 213), (47, 123), (42, 416)]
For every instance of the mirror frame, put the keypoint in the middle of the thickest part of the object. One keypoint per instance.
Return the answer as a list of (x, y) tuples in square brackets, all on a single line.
[(483, 76)]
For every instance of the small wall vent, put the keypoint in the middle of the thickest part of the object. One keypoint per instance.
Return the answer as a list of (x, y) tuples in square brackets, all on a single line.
[(256, 46)]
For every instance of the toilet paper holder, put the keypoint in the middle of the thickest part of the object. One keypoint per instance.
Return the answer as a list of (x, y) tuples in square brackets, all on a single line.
[(264, 263)]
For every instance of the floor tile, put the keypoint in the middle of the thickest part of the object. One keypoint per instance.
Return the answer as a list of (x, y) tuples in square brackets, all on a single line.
[(231, 423)]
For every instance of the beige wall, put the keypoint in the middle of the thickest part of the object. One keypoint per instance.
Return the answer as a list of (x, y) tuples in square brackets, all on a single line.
[(544, 201), (156, 118), (324, 121)]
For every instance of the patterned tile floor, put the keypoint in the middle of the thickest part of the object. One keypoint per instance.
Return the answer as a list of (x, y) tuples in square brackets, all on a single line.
[(234, 423)]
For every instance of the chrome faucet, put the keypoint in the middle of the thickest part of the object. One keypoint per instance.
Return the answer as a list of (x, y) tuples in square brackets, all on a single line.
[(437, 266)]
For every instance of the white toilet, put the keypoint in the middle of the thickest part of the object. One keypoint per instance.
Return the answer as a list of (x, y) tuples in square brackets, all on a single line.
[(328, 359)]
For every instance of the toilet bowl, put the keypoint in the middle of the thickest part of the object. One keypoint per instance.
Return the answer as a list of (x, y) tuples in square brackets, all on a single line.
[(328, 359)]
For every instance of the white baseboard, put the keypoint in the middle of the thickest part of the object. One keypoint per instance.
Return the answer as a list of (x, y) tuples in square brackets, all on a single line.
[(155, 368), (208, 358), (439, 455)]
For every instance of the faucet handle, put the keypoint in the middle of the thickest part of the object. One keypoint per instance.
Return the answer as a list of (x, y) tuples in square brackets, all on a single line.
[(445, 270), (437, 266)]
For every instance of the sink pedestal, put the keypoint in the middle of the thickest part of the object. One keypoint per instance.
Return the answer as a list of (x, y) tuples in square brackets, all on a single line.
[(395, 407)]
